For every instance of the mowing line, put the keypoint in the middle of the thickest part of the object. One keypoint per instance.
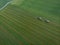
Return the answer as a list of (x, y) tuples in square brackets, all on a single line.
[(13, 38), (14, 29), (32, 17), (25, 16)]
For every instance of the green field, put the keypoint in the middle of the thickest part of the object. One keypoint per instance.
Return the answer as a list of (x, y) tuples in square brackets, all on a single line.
[(4, 3), (19, 24)]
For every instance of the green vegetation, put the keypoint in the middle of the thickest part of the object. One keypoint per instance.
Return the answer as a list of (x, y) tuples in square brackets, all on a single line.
[(17, 2), (46, 8), (3, 2), (19, 25)]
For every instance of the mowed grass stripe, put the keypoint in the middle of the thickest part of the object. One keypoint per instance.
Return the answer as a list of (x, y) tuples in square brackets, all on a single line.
[(11, 39), (2, 38), (5, 30), (31, 14), (28, 17), (25, 32), (10, 28), (27, 13), (44, 8), (31, 35)]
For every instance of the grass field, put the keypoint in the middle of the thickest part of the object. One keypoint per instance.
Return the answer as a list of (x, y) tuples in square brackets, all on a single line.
[(17, 2), (3, 2), (46, 8), (18, 25)]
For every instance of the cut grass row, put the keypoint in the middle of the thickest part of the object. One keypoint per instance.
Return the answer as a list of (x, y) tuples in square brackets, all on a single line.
[(29, 28), (15, 12), (49, 9), (7, 38), (13, 32), (27, 14), (15, 27)]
